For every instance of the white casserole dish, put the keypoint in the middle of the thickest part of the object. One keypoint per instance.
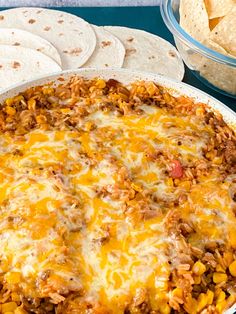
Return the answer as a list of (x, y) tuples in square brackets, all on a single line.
[(128, 76)]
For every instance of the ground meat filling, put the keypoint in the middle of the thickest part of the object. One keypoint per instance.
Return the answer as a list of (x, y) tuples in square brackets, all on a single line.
[(139, 166)]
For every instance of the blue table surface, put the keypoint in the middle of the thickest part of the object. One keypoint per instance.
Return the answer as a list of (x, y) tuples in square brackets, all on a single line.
[(148, 19)]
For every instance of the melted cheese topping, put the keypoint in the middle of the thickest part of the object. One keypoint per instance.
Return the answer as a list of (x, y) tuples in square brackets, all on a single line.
[(69, 222)]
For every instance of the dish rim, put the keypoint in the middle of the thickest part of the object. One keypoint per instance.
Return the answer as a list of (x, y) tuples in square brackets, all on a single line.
[(175, 87)]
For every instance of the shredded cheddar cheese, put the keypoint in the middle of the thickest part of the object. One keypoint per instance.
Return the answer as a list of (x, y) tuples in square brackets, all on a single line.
[(116, 200)]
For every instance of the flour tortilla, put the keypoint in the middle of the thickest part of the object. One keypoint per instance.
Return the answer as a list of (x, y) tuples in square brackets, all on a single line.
[(194, 19), (109, 51), (148, 52), (73, 37), (18, 37), (19, 64), (218, 8), (224, 33)]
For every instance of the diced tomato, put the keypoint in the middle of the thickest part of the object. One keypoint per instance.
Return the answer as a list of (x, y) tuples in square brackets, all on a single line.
[(177, 170)]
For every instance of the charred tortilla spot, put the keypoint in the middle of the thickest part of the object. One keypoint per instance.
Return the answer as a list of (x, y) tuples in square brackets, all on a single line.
[(47, 28), (16, 64), (105, 43), (74, 52), (31, 21), (1, 17), (129, 52), (130, 39), (172, 54)]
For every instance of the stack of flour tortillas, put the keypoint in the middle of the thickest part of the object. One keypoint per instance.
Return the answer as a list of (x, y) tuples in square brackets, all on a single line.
[(36, 41)]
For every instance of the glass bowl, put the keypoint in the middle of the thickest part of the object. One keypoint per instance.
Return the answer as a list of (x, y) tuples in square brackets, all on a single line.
[(214, 69)]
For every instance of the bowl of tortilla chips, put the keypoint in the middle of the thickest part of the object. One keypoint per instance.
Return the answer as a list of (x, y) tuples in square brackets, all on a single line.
[(205, 35)]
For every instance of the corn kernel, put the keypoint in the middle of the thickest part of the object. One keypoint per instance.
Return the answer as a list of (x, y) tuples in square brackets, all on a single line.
[(200, 111), (65, 110), (9, 101), (218, 160), (232, 268), (210, 155), (231, 300), (190, 305), (41, 119), (221, 306), (101, 84), (221, 297), (165, 309), (178, 292), (232, 238), (151, 89), (201, 302), (19, 310), (177, 181), (228, 258), (15, 297), (140, 90), (169, 182), (210, 296), (219, 277), (48, 91), (136, 187), (186, 185), (199, 268), (9, 307), (220, 269), (31, 104), (18, 98), (13, 277), (197, 280), (88, 126), (10, 111)]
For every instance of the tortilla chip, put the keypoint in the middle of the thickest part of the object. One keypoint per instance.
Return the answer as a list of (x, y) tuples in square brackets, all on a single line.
[(218, 8), (214, 46), (225, 78), (194, 19), (214, 22), (224, 33)]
